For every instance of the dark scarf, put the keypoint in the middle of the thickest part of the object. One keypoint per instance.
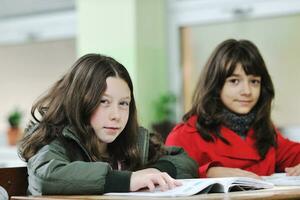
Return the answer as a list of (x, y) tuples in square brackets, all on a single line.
[(238, 123)]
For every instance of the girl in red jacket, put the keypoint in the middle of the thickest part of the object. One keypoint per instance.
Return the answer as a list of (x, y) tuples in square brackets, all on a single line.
[(229, 131)]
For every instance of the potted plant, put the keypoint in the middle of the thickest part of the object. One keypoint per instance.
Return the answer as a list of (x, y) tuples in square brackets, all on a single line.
[(14, 132), (164, 114)]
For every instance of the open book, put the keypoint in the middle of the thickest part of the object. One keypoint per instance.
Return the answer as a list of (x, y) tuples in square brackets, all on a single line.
[(281, 179), (204, 185)]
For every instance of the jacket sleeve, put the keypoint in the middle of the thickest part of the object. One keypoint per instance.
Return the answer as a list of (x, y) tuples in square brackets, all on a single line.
[(174, 160), (184, 166), (51, 172), (190, 142), (287, 153)]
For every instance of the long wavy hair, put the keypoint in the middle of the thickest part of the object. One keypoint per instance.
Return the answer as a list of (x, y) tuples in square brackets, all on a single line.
[(207, 104), (72, 100)]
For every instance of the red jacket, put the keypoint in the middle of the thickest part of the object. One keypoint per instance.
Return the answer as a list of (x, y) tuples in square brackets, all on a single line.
[(240, 154)]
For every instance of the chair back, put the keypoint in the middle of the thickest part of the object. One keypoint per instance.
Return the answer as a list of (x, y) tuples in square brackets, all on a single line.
[(14, 180)]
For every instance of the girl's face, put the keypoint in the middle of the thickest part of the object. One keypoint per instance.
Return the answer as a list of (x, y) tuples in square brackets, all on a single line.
[(240, 91), (111, 117)]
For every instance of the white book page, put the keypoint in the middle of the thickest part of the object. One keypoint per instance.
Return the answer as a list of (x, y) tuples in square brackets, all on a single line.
[(281, 179), (189, 187)]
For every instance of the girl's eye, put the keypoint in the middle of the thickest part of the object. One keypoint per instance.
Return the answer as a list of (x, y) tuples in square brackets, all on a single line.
[(104, 102), (255, 82), (233, 81), (124, 103)]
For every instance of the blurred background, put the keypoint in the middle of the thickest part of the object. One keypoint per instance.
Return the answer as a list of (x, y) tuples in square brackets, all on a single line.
[(163, 44)]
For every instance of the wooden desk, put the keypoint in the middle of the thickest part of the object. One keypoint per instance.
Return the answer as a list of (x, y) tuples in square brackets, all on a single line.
[(277, 193)]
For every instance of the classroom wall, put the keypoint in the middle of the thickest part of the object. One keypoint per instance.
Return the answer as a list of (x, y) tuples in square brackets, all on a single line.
[(26, 71), (152, 77)]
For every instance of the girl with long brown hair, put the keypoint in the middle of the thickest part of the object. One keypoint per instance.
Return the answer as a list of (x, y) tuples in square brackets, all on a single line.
[(85, 139)]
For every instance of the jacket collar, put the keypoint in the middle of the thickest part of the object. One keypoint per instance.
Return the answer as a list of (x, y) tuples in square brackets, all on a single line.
[(239, 148), (143, 143), (68, 132)]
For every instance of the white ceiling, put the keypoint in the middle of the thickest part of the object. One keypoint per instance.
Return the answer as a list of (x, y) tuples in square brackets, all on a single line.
[(20, 8)]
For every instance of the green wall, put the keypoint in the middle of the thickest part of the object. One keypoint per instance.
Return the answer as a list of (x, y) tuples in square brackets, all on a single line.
[(133, 32), (151, 56), (108, 27)]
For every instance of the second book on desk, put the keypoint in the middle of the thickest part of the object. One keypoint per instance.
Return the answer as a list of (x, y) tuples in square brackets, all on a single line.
[(204, 185)]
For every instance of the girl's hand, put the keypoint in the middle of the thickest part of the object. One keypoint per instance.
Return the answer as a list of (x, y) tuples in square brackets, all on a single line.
[(293, 171), (215, 172), (149, 178)]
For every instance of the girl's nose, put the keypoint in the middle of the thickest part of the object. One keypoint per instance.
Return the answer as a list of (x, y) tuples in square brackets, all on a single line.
[(246, 88), (115, 113)]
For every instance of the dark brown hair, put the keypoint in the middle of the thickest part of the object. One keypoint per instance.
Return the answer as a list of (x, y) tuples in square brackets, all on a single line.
[(207, 104), (72, 100)]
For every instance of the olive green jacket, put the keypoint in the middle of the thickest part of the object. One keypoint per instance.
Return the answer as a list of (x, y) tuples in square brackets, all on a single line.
[(52, 171)]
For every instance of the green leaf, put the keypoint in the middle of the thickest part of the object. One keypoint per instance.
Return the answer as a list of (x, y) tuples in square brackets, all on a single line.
[(14, 118), (164, 107)]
